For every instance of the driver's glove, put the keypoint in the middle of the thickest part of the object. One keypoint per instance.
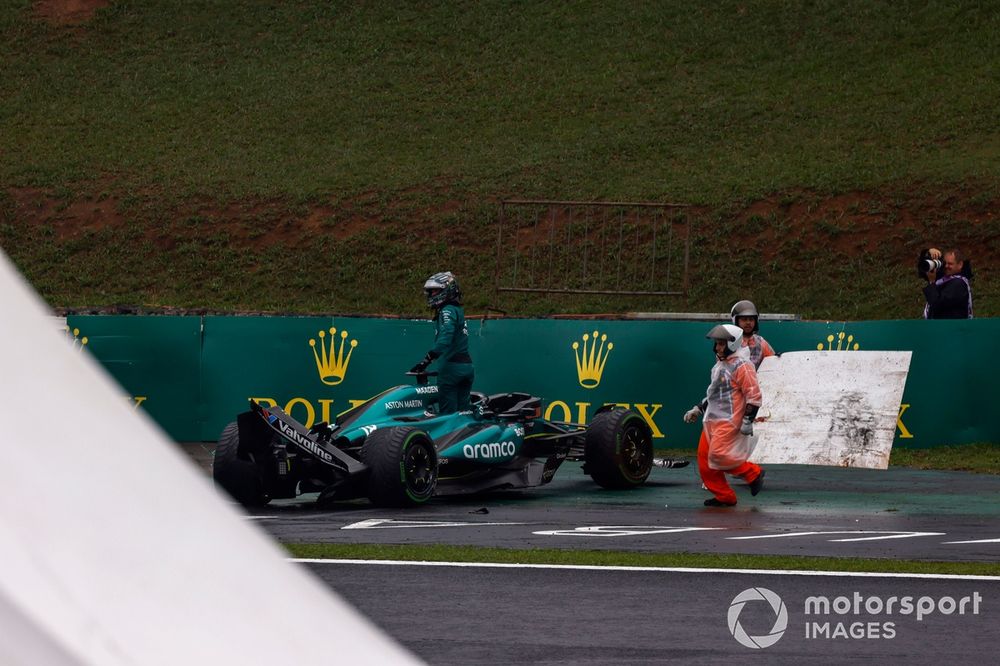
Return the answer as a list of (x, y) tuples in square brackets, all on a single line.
[(422, 365)]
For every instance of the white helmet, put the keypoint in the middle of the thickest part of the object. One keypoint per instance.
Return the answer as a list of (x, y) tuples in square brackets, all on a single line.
[(731, 335), (745, 309)]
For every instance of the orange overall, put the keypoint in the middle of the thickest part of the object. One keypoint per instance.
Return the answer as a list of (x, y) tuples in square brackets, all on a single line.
[(722, 448), (759, 348)]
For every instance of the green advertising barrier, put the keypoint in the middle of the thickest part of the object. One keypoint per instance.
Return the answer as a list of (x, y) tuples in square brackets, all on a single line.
[(317, 367), (313, 367), (157, 361)]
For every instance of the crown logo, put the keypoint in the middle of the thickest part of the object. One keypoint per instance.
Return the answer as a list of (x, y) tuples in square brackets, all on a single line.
[(590, 359), (78, 342), (844, 343), (332, 363)]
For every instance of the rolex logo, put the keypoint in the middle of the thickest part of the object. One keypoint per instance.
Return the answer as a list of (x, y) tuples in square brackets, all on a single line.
[(590, 358), (844, 343), (78, 342), (330, 360)]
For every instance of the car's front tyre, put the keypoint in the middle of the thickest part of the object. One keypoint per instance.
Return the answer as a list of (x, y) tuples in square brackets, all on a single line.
[(618, 449)]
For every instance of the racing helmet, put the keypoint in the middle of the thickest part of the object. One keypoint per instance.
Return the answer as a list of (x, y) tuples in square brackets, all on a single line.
[(731, 335), (441, 289), (745, 309)]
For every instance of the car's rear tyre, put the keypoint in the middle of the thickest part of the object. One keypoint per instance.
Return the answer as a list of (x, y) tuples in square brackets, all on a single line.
[(403, 466), (238, 476), (618, 449)]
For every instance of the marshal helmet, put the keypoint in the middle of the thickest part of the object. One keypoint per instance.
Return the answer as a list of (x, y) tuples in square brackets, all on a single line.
[(731, 335), (745, 309)]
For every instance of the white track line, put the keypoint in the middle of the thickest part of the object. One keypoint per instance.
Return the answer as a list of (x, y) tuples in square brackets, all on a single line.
[(975, 541), (596, 567)]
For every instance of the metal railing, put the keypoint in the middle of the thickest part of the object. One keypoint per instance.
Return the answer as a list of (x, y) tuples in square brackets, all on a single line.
[(590, 247)]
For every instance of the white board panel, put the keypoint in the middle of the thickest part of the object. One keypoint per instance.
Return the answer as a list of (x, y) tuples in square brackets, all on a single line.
[(835, 408)]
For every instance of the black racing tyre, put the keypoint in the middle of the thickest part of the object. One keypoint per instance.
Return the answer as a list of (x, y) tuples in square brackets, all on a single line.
[(618, 449), (403, 466), (239, 477)]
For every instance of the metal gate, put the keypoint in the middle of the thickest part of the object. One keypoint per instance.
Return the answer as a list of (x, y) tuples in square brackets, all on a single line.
[(589, 247)]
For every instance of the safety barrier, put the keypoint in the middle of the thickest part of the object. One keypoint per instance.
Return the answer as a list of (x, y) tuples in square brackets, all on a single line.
[(194, 374)]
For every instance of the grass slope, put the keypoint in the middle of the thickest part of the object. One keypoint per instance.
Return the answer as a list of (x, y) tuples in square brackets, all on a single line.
[(312, 156)]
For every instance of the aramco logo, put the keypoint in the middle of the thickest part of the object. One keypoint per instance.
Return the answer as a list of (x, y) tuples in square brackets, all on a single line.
[(844, 343), (331, 362), (590, 358), (755, 594)]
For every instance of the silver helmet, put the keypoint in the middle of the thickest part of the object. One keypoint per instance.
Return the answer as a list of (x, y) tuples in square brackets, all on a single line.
[(731, 335), (745, 309)]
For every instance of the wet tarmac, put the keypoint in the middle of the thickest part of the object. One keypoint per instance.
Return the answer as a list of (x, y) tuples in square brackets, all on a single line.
[(803, 510), (498, 614)]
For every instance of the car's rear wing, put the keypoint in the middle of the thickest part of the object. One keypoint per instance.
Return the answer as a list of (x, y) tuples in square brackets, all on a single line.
[(276, 420)]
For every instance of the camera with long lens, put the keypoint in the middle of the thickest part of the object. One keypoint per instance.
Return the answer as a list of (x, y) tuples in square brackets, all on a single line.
[(927, 263)]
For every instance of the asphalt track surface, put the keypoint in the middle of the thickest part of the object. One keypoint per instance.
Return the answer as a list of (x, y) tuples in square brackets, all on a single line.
[(895, 513), (502, 615), (457, 615)]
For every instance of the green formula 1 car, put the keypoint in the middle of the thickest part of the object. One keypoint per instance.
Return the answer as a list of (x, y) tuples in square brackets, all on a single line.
[(396, 451)]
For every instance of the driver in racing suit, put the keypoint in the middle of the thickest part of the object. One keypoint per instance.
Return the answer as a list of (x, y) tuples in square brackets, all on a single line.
[(729, 408), (451, 344)]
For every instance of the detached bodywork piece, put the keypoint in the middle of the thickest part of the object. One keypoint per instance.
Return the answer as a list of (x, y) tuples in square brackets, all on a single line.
[(837, 408), (394, 450)]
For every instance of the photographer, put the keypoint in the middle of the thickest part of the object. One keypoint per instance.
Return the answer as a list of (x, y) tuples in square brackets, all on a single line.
[(948, 296)]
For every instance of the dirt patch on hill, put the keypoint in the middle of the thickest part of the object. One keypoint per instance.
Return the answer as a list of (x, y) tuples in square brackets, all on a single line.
[(68, 12), (256, 224), (889, 222), (787, 237), (895, 224), (66, 217)]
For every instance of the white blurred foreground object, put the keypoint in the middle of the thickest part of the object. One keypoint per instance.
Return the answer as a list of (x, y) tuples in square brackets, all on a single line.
[(116, 550), (834, 408)]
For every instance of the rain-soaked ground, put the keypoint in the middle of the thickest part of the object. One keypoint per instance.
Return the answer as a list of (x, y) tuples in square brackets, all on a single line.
[(803, 510)]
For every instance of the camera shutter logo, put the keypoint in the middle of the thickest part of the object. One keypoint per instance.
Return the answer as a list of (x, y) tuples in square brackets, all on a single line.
[(780, 617)]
